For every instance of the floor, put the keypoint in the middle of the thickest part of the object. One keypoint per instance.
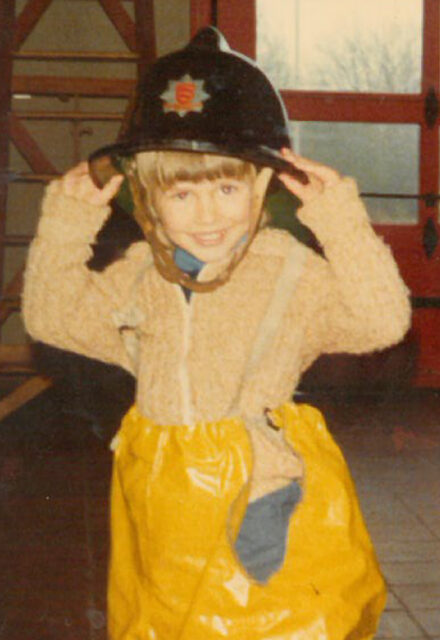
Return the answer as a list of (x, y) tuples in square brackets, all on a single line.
[(394, 454), (54, 478)]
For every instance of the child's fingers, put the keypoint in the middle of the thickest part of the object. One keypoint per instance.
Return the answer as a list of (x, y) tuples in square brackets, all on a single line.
[(111, 188), (78, 184), (81, 168), (320, 176), (70, 183), (78, 170), (328, 175), (88, 192), (304, 192)]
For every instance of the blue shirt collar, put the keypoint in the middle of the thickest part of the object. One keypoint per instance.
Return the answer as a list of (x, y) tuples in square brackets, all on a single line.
[(186, 261), (189, 263)]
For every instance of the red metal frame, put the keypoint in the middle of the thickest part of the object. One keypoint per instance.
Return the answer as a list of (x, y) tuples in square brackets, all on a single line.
[(27, 20), (145, 34), (237, 20), (429, 139), (327, 106), (55, 85), (6, 26), (122, 22), (27, 146), (201, 14)]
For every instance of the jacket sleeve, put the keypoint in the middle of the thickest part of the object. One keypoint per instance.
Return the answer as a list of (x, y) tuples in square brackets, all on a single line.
[(361, 303), (65, 304)]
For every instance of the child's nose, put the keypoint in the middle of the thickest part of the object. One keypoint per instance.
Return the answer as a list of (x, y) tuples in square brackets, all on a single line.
[(206, 212)]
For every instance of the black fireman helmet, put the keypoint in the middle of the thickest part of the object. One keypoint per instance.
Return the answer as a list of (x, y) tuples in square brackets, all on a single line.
[(203, 98)]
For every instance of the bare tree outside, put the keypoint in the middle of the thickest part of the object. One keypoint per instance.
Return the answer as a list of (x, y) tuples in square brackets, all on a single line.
[(382, 63), (341, 45), (362, 62), (273, 58)]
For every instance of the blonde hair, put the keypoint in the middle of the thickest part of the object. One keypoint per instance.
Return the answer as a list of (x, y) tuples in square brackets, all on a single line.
[(164, 168)]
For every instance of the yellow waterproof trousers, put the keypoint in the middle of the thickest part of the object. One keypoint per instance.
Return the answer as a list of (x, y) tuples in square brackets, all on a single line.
[(179, 495)]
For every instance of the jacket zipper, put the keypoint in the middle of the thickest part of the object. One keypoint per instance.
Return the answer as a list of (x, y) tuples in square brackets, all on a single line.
[(183, 375)]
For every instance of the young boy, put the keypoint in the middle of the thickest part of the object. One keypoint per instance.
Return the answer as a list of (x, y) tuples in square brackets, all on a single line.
[(233, 514)]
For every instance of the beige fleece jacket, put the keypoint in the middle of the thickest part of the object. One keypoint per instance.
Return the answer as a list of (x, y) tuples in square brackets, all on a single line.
[(191, 359)]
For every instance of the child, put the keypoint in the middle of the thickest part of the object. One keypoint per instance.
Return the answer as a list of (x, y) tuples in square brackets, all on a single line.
[(233, 514)]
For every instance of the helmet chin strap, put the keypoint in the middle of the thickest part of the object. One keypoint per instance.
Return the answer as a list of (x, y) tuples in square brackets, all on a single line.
[(163, 248)]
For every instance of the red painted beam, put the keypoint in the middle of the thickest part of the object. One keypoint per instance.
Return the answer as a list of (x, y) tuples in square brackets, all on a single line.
[(353, 107), (12, 290), (70, 86), (28, 148), (145, 33), (429, 139), (431, 46), (238, 19), (121, 20), (420, 272), (27, 20), (426, 323), (6, 31), (201, 14)]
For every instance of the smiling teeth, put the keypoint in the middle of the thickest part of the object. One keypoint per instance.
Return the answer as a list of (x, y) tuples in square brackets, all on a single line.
[(214, 234), (208, 238)]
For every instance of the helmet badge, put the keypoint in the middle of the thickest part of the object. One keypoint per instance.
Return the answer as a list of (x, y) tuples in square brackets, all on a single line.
[(184, 96)]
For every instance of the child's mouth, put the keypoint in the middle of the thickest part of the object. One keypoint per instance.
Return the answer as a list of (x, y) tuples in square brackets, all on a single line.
[(209, 239)]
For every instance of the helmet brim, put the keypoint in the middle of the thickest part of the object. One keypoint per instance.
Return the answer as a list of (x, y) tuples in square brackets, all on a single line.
[(109, 161)]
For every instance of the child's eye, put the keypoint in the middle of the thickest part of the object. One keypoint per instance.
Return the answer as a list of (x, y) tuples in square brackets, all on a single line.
[(227, 189), (181, 195)]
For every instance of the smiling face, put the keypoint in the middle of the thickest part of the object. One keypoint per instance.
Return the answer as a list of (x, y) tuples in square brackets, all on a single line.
[(209, 218), (203, 202)]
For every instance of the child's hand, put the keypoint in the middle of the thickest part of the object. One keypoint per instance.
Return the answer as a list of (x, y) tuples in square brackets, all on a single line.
[(320, 177), (78, 184)]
